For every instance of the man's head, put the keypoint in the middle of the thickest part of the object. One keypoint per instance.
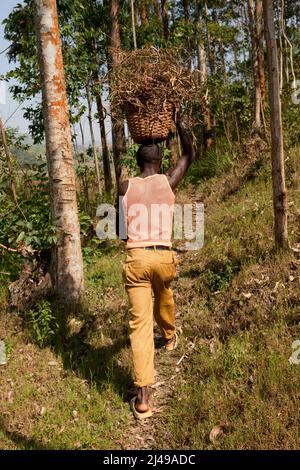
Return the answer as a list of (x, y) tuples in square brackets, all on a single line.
[(149, 156)]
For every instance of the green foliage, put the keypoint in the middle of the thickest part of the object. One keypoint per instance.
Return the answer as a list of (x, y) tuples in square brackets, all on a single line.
[(85, 224), (291, 118), (129, 160), (218, 279), (212, 163), (166, 162), (215, 277), (230, 101), (42, 324), (30, 222), (10, 266)]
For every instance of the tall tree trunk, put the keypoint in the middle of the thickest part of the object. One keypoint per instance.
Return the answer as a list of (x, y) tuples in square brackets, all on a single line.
[(211, 57), (85, 182), (246, 39), (67, 265), (105, 153), (133, 24), (201, 57), (144, 13), (185, 4), (278, 172), (118, 133), (165, 21), (211, 54), (94, 149), (260, 46), (281, 58), (255, 66), (156, 9)]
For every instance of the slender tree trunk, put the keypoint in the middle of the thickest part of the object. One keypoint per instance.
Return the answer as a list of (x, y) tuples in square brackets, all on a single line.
[(211, 58), (201, 56), (82, 134), (165, 21), (211, 55), (105, 153), (75, 142), (255, 65), (188, 40), (67, 265), (9, 163), (238, 135), (85, 175), (280, 50), (278, 172), (156, 9), (94, 149), (144, 13), (260, 47), (118, 133), (246, 40), (185, 4), (133, 24)]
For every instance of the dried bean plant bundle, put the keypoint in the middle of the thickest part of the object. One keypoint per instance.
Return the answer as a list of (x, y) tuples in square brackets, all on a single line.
[(148, 78)]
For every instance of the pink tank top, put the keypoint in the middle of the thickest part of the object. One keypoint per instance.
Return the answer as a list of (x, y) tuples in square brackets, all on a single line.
[(148, 206)]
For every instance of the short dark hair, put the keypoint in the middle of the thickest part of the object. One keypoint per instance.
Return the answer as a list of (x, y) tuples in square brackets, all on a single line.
[(151, 153)]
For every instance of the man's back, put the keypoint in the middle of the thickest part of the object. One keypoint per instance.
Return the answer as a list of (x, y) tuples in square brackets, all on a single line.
[(148, 206)]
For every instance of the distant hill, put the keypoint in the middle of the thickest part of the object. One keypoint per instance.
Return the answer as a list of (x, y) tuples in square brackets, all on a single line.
[(29, 156)]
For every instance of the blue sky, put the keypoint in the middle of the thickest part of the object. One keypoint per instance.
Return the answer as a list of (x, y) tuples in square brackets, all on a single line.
[(10, 105), (10, 111)]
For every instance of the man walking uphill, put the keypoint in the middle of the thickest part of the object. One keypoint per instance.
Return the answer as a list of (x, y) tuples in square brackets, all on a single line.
[(148, 205)]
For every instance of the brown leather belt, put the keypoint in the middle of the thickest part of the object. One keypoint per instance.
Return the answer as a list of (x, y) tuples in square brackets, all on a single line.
[(157, 247)]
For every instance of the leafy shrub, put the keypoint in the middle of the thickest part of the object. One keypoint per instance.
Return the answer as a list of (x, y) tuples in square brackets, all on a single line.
[(129, 160), (218, 280), (41, 322), (209, 165), (29, 222)]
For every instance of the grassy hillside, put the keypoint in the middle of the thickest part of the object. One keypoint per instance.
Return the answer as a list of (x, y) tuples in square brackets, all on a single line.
[(238, 311)]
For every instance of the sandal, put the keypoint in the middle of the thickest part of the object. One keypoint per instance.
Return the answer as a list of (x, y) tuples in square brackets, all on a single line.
[(171, 344), (138, 414)]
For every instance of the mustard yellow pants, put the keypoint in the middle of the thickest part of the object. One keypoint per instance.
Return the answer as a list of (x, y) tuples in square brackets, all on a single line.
[(144, 271)]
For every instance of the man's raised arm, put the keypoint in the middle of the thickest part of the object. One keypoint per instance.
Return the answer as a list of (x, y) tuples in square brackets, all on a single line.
[(175, 174)]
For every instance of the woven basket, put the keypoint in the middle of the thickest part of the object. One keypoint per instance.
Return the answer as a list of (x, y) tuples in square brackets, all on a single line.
[(145, 126)]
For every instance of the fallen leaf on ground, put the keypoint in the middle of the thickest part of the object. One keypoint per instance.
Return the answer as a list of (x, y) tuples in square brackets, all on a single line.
[(247, 295), (217, 432)]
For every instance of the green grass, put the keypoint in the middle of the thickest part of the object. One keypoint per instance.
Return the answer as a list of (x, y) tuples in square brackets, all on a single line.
[(72, 394), (246, 384), (238, 311)]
